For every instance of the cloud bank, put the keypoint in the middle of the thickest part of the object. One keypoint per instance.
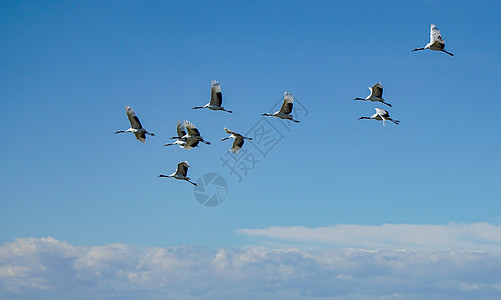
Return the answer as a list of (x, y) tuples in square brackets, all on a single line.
[(46, 268), (477, 236)]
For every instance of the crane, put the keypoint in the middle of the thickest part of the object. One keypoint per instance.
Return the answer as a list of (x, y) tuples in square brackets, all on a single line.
[(181, 173), (376, 94), (381, 115), (436, 41), (135, 126), (216, 98), (285, 110), (238, 142)]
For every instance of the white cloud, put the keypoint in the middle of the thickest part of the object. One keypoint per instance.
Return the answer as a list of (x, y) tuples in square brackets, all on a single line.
[(46, 268), (477, 236)]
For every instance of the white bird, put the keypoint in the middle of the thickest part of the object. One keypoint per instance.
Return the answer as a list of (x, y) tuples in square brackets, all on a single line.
[(216, 98), (135, 126), (436, 41), (181, 172), (239, 140), (182, 141), (192, 137), (381, 115), (285, 110), (376, 94)]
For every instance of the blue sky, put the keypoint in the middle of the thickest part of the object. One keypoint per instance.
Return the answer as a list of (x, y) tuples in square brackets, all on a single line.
[(69, 69)]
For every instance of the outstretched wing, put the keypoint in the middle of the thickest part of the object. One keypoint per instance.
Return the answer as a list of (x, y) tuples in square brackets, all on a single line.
[(383, 113), (133, 119), (140, 135), (287, 105), (237, 144), (230, 132), (182, 168), (190, 144), (180, 129), (216, 97), (192, 129), (377, 90), (435, 35)]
